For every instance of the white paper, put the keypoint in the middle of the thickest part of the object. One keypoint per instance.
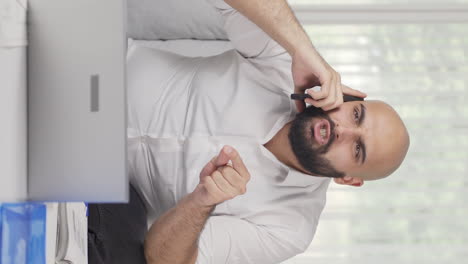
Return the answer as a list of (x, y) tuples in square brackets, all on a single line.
[(51, 231), (13, 118), (76, 244)]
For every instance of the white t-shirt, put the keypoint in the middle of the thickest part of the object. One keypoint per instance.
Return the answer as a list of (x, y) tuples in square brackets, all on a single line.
[(181, 111)]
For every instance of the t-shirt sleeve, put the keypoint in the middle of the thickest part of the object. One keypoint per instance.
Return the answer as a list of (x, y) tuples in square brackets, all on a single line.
[(229, 240), (247, 38)]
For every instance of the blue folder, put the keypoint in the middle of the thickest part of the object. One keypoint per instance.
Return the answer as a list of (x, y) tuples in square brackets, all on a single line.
[(22, 233)]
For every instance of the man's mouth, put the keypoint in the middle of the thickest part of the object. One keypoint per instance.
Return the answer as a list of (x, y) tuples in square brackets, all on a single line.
[(321, 131)]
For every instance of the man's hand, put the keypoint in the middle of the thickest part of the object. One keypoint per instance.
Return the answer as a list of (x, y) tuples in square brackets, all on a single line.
[(309, 69), (220, 181), (173, 237)]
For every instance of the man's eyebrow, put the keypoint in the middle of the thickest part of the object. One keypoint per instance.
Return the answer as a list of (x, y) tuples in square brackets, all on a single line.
[(363, 146), (362, 116), (364, 154)]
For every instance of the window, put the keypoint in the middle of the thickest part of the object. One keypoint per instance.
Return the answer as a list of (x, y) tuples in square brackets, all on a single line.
[(419, 214)]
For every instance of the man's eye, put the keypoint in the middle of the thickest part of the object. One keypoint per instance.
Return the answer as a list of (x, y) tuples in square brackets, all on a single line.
[(358, 149), (356, 115)]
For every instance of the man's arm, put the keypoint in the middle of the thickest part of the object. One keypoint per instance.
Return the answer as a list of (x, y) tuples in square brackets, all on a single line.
[(172, 239), (276, 18), (309, 69)]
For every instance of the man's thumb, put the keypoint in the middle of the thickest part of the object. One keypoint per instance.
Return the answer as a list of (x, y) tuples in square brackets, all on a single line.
[(223, 157)]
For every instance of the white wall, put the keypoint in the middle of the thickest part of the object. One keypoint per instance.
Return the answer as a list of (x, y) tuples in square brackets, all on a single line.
[(13, 124), (13, 117)]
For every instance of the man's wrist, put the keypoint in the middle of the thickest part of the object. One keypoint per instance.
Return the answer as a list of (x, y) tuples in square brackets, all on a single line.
[(191, 202), (304, 48), (173, 237)]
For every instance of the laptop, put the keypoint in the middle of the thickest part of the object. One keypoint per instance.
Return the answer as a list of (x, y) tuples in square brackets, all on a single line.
[(77, 101)]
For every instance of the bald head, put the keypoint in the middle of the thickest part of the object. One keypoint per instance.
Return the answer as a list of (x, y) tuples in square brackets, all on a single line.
[(388, 138), (363, 140)]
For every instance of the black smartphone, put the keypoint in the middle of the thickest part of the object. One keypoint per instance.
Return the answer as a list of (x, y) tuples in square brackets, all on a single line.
[(346, 98)]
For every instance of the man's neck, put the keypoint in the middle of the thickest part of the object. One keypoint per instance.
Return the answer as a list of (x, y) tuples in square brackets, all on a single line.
[(280, 147)]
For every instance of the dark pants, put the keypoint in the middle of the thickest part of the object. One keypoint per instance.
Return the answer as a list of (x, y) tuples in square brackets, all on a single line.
[(116, 232)]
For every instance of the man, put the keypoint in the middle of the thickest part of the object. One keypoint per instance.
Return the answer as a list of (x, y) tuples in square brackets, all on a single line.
[(200, 129)]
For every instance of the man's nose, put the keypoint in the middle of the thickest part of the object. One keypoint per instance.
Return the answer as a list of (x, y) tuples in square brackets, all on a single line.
[(343, 133)]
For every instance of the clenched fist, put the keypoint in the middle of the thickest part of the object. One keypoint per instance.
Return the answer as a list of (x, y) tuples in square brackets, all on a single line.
[(220, 181)]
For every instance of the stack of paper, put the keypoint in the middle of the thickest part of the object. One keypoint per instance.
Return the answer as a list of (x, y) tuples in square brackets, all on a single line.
[(72, 234)]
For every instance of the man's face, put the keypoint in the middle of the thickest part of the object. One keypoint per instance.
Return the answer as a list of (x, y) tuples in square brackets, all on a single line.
[(311, 135), (360, 139)]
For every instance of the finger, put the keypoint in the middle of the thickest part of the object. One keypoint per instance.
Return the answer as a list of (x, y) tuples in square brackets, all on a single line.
[(320, 103), (338, 96), (209, 168), (223, 157), (220, 160), (331, 100), (234, 178), (223, 184), (323, 93), (238, 164), (315, 103), (339, 91), (211, 187), (349, 91), (336, 105), (335, 98), (329, 107)]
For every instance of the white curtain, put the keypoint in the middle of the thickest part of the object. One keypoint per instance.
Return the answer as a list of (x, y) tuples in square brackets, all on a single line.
[(419, 215)]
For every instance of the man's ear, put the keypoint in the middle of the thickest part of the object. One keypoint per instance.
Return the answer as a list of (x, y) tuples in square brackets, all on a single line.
[(351, 181)]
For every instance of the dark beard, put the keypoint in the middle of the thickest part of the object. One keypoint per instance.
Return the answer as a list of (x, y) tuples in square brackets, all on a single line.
[(310, 158)]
